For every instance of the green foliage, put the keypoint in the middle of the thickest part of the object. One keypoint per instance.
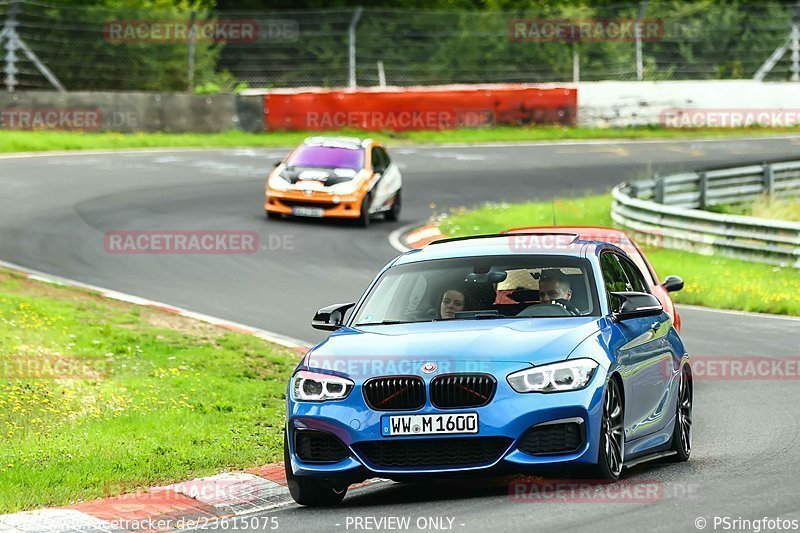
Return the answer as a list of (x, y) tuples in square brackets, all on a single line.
[(221, 82), (70, 38), (419, 42), (765, 206), (131, 403)]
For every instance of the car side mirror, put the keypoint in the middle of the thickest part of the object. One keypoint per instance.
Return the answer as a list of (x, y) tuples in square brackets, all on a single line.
[(331, 318), (673, 284), (625, 305)]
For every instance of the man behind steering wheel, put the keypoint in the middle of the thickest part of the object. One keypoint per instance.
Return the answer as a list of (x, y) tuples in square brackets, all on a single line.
[(555, 288)]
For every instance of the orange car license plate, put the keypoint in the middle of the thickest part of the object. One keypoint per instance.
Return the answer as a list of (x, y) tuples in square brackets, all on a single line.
[(316, 212)]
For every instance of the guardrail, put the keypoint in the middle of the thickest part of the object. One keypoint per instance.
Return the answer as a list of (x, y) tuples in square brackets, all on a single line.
[(668, 212)]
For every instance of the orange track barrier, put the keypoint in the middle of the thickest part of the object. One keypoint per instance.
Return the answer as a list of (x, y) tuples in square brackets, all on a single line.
[(420, 108)]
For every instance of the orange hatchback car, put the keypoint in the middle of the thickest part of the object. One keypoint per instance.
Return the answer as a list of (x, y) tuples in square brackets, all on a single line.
[(335, 177)]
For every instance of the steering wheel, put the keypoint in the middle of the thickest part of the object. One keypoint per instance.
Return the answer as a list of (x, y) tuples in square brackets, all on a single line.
[(567, 306)]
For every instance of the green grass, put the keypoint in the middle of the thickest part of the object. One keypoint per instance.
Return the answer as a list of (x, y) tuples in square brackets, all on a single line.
[(151, 397), (710, 281), (765, 207), (31, 141)]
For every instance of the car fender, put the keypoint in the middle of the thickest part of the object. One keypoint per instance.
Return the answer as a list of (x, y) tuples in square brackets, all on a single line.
[(597, 347)]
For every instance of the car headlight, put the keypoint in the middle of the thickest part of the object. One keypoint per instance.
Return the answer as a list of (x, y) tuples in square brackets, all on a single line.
[(277, 182), (314, 387), (557, 377)]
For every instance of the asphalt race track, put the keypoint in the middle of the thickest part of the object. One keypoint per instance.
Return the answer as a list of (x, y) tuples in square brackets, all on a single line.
[(55, 210)]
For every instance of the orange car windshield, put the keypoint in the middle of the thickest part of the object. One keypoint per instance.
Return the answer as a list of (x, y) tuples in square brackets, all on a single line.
[(327, 157)]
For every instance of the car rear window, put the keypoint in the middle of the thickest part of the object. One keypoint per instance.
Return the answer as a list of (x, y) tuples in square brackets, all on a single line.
[(327, 157)]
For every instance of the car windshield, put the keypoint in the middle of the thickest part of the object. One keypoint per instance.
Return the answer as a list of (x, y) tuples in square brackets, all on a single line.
[(476, 288), (321, 156)]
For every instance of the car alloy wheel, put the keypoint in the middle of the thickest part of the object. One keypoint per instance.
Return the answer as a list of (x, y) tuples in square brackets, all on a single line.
[(613, 440), (682, 436)]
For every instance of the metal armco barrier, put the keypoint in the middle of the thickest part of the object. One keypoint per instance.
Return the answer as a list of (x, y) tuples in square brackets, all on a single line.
[(668, 212), (423, 108)]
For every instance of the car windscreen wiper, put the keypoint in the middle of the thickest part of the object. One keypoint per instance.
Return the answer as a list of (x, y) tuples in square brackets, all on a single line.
[(482, 315), (386, 322)]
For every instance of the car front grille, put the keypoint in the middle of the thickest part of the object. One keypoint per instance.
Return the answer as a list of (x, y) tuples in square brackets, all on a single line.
[(307, 203), (462, 390), (395, 393), (319, 447), (547, 439), (438, 452)]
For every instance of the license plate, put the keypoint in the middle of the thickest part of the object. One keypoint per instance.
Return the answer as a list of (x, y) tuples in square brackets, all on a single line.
[(445, 424), (317, 212)]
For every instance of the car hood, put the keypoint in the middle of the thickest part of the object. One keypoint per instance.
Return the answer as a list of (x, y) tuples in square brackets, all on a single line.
[(455, 345), (308, 175)]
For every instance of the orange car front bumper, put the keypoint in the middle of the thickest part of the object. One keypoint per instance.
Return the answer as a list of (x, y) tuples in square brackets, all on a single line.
[(333, 206)]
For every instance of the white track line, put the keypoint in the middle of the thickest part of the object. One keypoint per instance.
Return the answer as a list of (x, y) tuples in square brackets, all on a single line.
[(601, 142), (739, 313), (395, 237), (61, 153)]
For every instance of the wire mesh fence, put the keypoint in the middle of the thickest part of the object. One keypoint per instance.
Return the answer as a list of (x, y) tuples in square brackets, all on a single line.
[(100, 48)]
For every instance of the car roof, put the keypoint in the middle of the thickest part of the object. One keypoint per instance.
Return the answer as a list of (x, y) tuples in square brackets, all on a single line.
[(346, 142), (551, 243), (586, 233), (614, 236)]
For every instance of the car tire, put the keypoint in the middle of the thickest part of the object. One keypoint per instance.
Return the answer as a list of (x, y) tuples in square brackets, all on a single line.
[(682, 434), (307, 491), (393, 214), (611, 455), (364, 216), (272, 216)]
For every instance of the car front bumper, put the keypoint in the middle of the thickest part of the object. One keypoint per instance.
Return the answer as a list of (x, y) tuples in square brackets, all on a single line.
[(509, 414), (333, 206)]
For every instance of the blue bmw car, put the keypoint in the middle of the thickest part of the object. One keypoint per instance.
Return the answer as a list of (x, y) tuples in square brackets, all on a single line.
[(481, 356)]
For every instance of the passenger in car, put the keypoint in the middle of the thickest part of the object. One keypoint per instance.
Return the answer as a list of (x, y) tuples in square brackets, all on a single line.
[(453, 301)]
